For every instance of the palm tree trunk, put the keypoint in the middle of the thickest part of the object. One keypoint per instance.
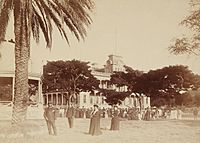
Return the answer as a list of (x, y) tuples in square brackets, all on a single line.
[(21, 63)]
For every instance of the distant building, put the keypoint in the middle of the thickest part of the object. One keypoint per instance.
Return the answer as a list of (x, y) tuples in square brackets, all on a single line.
[(114, 63), (38, 100), (103, 74)]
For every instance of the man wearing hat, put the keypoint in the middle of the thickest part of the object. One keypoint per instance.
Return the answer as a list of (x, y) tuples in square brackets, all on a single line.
[(70, 115), (50, 117), (115, 119)]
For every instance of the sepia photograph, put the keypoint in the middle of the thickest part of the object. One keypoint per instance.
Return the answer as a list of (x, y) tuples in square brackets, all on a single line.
[(99, 71)]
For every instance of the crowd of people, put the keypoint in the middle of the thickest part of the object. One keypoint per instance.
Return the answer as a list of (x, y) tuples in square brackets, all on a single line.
[(131, 113), (115, 113)]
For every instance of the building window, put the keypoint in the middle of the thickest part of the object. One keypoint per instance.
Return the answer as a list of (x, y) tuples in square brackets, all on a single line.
[(54, 99), (146, 100), (45, 99), (103, 100), (84, 98), (49, 98), (91, 100), (65, 99), (59, 99), (6, 89), (97, 100), (135, 102), (130, 101)]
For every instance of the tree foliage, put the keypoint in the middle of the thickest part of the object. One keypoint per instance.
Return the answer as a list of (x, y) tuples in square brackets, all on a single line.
[(190, 44), (120, 80), (167, 85), (114, 97), (68, 76)]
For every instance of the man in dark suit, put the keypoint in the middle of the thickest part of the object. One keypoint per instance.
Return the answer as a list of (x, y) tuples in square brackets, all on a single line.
[(50, 117), (70, 115)]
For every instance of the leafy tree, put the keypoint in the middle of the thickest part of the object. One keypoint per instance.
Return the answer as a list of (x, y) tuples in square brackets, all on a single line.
[(34, 16), (168, 83), (189, 45), (68, 76), (121, 79), (195, 97), (196, 100), (114, 97), (158, 102)]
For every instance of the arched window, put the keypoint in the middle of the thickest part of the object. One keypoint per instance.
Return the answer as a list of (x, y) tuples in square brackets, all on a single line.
[(130, 100), (97, 99), (84, 98), (59, 99), (91, 100), (147, 100), (54, 99)]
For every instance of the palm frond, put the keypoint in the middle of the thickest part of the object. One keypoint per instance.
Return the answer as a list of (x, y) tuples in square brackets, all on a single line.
[(39, 15), (35, 28), (6, 7), (74, 14), (58, 9), (41, 24), (50, 14)]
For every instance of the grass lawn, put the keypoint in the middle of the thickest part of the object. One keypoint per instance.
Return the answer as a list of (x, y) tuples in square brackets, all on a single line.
[(131, 131)]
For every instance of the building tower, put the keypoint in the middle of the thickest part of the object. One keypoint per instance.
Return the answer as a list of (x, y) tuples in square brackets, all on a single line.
[(114, 63)]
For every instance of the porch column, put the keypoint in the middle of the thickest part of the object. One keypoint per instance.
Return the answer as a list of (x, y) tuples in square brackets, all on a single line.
[(62, 99), (100, 85), (40, 96), (56, 98), (13, 88), (47, 96), (51, 97)]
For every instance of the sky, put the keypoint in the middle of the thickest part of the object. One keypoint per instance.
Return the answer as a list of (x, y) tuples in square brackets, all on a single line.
[(138, 30)]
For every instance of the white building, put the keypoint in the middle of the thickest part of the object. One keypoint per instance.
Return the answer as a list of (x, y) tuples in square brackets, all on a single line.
[(114, 63), (103, 74)]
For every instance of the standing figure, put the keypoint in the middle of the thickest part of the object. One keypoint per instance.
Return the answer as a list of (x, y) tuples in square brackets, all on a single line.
[(115, 119), (82, 112), (88, 112), (50, 117), (77, 112), (70, 115), (195, 113), (103, 112), (147, 115), (95, 122), (179, 113)]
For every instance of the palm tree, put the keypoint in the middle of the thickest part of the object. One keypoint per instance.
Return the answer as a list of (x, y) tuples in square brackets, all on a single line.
[(30, 18)]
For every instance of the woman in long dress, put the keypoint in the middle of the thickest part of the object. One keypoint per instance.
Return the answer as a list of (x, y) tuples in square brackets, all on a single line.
[(115, 119), (95, 122), (147, 116)]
